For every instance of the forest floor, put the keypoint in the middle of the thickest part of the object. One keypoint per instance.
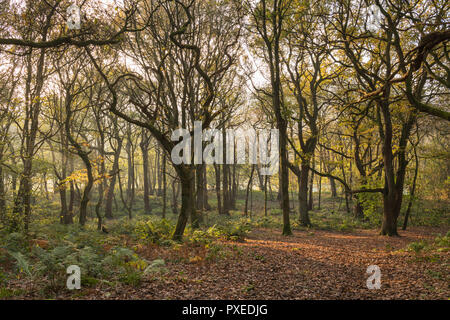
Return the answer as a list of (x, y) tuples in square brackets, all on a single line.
[(327, 261), (312, 264)]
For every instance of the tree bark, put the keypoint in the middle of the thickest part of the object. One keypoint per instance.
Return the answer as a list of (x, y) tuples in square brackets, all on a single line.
[(412, 191), (187, 210), (333, 187), (249, 185), (200, 187), (164, 191), (311, 188), (112, 184), (218, 191), (175, 192), (303, 196), (145, 165)]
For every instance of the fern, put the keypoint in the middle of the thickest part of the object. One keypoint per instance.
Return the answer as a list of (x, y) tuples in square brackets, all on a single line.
[(21, 262)]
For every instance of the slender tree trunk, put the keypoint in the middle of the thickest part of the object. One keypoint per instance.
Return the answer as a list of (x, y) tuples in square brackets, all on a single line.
[(412, 191), (279, 188), (311, 188), (251, 200), (154, 170), (164, 187), (260, 178), (344, 191), (303, 196), (14, 184), (71, 194), (2, 194), (265, 195), (112, 183), (333, 187), (87, 189), (158, 171), (131, 178), (124, 201), (206, 205), (175, 192), (218, 191), (145, 165), (98, 207), (249, 185), (45, 185), (320, 193), (63, 198), (284, 179), (200, 187), (233, 191)]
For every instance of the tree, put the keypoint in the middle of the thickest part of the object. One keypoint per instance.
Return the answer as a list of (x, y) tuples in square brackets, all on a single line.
[(310, 67), (171, 69), (375, 78), (268, 18)]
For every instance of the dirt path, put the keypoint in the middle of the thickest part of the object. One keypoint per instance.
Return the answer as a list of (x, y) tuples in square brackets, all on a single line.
[(308, 265)]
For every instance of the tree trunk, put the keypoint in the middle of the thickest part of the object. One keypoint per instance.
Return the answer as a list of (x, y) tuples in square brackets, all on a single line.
[(394, 179), (145, 165), (265, 195), (333, 187), (2, 194), (260, 179), (303, 196), (112, 184), (311, 188), (206, 205), (186, 176), (218, 193), (358, 210), (175, 192), (87, 189), (233, 191), (98, 207), (64, 212), (164, 191), (200, 187), (130, 180), (390, 216), (284, 181), (249, 185), (71, 194), (412, 191), (158, 172)]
